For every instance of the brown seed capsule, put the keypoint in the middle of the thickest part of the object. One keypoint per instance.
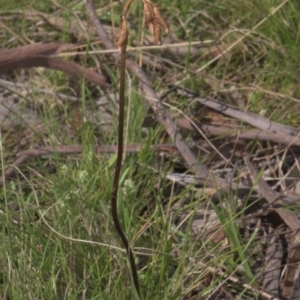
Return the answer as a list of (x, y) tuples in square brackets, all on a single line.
[(160, 20), (148, 12), (123, 35), (151, 28), (149, 16), (125, 8), (157, 32)]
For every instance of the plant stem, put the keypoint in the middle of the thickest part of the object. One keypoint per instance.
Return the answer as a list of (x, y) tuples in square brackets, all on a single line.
[(115, 189)]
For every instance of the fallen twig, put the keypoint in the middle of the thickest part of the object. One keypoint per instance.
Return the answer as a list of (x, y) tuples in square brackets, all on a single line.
[(251, 118), (38, 55), (247, 134), (272, 268), (271, 196)]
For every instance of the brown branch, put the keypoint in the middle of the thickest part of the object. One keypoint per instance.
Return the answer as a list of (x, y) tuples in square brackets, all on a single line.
[(250, 118), (232, 111), (292, 221), (38, 55), (273, 264), (290, 218), (240, 133), (24, 52)]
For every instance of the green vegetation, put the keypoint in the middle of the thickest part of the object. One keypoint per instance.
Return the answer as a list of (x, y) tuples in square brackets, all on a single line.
[(57, 236)]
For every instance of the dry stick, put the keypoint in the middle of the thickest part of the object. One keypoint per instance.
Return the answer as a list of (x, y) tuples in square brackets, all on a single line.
[(289, 217), (235, 112), (240, 132), (39, 55), (251, 118)]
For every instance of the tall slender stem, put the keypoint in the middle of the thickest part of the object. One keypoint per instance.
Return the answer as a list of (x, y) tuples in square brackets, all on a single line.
[(114, 197)]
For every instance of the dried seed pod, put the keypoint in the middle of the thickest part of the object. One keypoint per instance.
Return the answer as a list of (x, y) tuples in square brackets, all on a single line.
[(151, 28), (149, 15), (125, 8), (157, 32), (160, 20), (148, 12), (123, 35)]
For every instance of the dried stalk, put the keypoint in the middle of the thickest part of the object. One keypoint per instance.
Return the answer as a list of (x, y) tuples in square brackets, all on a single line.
[(154, 18), (121, 44)]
